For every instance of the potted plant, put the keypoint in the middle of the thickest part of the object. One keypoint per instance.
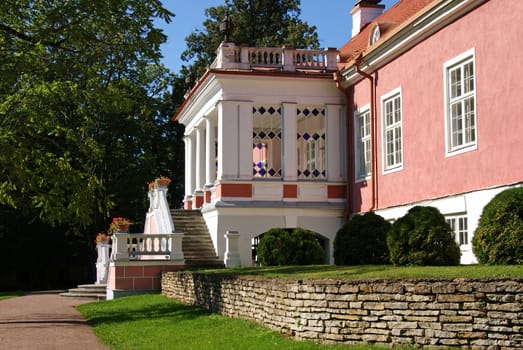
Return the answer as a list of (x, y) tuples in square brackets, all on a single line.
[(119, 224), (101, 237), (162, 181)]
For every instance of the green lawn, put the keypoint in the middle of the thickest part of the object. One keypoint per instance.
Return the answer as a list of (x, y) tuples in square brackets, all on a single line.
[(156, 322), (379, 271), (8, 295)]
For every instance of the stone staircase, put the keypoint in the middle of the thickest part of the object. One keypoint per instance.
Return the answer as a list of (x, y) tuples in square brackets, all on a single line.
[(197, 246), (91, 291)]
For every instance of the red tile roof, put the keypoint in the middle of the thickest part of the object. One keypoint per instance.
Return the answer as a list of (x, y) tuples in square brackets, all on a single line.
[(392, 18)]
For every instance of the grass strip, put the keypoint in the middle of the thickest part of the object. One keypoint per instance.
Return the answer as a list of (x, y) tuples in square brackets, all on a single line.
[(11, 294), (156, 322), (377, 271)]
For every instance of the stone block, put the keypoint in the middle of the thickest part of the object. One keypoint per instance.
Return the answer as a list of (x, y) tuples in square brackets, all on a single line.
[(369, 305), (396, 305), (457, 327), (455, 319), (430, 325), (420, 298), (418, 288), (510, 307), (349, 288), (443, 288), (472, 335), (455, 298), (418, 332)]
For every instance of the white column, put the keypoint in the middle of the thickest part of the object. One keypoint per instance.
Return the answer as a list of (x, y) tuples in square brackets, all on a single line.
[(200, 159), (190, 166), (335, 143), (289, 130), (210, 152), (245, 140), (228, 128)]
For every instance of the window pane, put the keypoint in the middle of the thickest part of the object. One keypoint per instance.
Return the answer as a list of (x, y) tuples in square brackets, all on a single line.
[(461, 104), (455, 83), (266, 141), (469, 77), (392, 133), (363, 145), (311, 142), (470, 121)]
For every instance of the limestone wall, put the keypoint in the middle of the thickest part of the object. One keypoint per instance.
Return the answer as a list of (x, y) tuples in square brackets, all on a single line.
[(476, 314)]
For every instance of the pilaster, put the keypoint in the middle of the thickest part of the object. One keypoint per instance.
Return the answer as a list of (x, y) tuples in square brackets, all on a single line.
[(289, 128)]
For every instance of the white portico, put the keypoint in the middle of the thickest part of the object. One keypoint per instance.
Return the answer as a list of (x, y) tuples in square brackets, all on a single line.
[(265, 139)]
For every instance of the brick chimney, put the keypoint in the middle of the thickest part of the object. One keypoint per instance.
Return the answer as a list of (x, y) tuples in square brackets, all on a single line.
[(364, 12)]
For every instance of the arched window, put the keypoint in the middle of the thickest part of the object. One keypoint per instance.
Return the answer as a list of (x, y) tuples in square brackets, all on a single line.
[(375, 34)]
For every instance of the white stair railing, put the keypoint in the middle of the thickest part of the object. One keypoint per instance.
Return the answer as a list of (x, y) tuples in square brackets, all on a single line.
[(140, 246)]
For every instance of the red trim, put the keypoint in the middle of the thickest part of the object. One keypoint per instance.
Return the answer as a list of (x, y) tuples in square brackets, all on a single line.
[(198, 201), (187, 205), (234, 190), (336, 191), (207, 197), (290, 191)]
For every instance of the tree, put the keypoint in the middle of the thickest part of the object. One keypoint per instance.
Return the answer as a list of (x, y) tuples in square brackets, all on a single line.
[(261, 23), (81, 88)]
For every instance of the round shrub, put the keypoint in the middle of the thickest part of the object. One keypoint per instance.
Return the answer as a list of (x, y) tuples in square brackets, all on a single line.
[(499, 236), (422, 237), (274, 247), (362, 240), (279, 247), (307, 250)]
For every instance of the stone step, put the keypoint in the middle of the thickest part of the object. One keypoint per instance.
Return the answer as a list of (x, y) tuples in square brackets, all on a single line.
[(197, 246), (93, 291), (96, 296)]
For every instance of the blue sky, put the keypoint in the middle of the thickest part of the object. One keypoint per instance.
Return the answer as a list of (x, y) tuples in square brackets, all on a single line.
[(331, 18)]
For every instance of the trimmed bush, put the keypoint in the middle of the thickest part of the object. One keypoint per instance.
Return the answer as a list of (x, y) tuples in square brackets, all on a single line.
[(274, 248), (307, 250), (422, 237), (362, 240), (279, 247), (499, 236)]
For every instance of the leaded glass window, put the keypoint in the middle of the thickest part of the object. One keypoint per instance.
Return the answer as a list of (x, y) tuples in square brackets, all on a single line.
[(266, 141), (311, 142)]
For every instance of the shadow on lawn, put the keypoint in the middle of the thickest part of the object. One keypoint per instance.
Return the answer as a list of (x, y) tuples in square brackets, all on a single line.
[(147, 307)]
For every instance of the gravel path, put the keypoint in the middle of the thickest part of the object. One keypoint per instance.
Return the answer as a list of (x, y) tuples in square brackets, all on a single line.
[(45, 320)]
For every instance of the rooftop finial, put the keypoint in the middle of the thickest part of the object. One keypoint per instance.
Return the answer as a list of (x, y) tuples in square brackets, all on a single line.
[(226, 25)]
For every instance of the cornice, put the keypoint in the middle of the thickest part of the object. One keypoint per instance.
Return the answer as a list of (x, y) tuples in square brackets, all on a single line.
[(427, 22)]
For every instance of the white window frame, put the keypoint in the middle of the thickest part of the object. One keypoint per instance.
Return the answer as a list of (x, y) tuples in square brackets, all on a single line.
[(459, 61), (460, 228), (358, 140), (375, 34), (391, 97)]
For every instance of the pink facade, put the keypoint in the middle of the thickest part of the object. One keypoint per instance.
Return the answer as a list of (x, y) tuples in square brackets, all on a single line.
[(428, 172)]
